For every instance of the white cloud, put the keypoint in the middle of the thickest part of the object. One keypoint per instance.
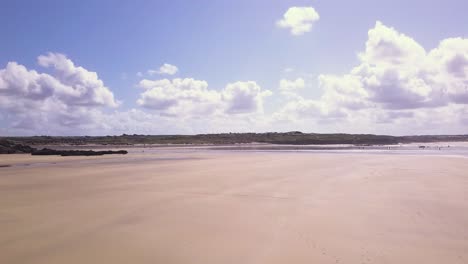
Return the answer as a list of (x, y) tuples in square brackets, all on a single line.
[(72, 85), (393, 69), (33, 101), (343, 91), (298, 20), (179, 97), (244, 97), (395, 82), (396, 87), (300, 109), (75, 84), (16, 80), (141, 121), (448, 70), (166, 69), (189, 97), (74, 101), (291, 87), (395, 72)]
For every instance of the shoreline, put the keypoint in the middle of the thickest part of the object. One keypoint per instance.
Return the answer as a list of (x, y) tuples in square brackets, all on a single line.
[(170, 153)]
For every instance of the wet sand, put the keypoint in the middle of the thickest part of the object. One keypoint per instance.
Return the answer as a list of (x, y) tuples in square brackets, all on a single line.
[(234, 207)]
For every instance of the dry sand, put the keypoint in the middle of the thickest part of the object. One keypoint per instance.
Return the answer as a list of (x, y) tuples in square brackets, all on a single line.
[(215, 207)]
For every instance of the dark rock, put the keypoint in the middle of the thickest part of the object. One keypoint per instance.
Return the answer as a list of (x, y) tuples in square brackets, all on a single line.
[(9, 147), (46, 151)]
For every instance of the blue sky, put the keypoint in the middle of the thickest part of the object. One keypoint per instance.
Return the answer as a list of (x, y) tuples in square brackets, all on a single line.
[(222, 43)]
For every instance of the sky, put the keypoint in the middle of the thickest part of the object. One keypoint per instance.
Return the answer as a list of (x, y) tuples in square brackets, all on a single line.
[(106, 67)]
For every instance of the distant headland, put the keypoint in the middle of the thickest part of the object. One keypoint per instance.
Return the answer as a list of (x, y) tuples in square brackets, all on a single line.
[(286, 138)]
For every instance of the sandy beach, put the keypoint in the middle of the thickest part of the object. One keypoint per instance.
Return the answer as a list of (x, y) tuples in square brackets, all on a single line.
[(234, 207)]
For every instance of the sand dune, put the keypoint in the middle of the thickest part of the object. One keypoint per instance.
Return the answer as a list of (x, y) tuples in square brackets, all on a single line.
[(234, 207)]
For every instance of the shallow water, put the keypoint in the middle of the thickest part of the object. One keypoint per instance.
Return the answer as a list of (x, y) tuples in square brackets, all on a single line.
[(411, 149), (443, 149)]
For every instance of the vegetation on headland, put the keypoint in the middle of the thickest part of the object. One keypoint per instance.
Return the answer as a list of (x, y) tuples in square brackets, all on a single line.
[(288, 138)]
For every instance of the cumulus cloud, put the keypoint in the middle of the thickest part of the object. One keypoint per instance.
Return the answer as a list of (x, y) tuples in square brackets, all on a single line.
[(298, 20), (71, 100), (76, 85), (448, 69), (396, 80), (142, 121), (291, 87), (307, 109), (396, 87), (16, 80), (343, 92), (190, 97), (396, 72), (165, 69), (244, 97), (68, 97), (72, 85), (179, 97)]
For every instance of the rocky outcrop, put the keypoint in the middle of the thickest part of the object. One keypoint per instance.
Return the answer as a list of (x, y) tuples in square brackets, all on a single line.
[(46, 151), (9, 147)]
